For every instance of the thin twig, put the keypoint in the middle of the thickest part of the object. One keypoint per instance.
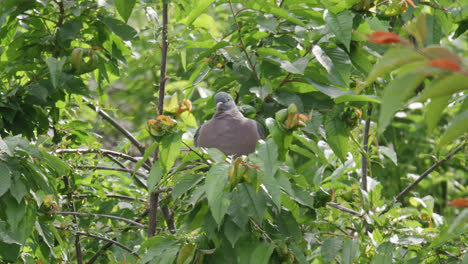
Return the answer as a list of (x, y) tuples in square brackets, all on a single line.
[(104, 216), (110, 243), (198, 154), (365, 146), (58, 26), (79, 256), (162, 81), (109, 195), (101, 238), (344, 209), (433, 6), (424, 175), (114, 123), (243, 45), (87, 167), (286, 79), (106, 152)]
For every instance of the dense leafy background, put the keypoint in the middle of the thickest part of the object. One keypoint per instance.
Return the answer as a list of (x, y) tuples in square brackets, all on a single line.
[(70, 177)]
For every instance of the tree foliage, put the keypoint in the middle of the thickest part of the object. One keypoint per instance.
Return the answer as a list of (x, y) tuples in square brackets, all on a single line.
[(364, 104)]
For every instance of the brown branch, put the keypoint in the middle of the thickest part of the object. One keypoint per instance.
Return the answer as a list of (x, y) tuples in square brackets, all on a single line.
[(114, 123), (169, 217), (243, 45), (365, 147), (344, 209), (433, 6), (109, 244), (58, 26), (79, 256), (106, 152), (104, 216), (87, 167), (109, 195), (101, 238), (152, 211), (162, 81), (424, 175)]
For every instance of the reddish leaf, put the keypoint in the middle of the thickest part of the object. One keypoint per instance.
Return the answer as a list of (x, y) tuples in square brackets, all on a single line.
[(445, 64), (411, 3), (380, 37), (459, 203)]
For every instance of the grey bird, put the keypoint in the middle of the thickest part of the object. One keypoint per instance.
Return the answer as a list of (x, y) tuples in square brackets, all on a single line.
[(228, 130)]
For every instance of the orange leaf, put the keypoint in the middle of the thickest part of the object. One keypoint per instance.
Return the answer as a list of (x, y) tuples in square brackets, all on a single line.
[(411, 3), (379, 37), (459, 203), (445, 64)]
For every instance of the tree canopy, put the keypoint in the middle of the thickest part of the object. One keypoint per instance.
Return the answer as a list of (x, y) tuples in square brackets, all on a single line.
[(364, 105)]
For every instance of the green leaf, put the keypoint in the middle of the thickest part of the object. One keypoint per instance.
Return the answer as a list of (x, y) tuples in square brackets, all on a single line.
[(384, 254), (148, 152), (169, 149), (233, 232), (69, 29), (356, 98), (390, 153), (457, 128), (391, 60), (198, 7), (337, 63), (297, 67), (267, 159), (14, 212), (341, 25), (187, 182), (395, 93), (350, 251), (17, 189), (330, 248), (267, 7), (55, 69), (246, 203), (125, 8), (5, 178), (337, 137), (434, 111), (154, 176), (262, 253), (121, 29), (331, 91), (215, 182), (447, 86)]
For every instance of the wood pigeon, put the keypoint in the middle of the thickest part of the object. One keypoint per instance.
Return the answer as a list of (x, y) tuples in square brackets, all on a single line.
[(228, 130)]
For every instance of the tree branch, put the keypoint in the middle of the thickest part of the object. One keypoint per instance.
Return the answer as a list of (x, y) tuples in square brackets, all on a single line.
[(424, 175), (79, 256), (101, 238), (344, 209), (169, 217), (104, 216), (152, 211), (114, 123), (365, 146), (243, 45), (87, 167), (103, 152), (162, 81), (109, 195)]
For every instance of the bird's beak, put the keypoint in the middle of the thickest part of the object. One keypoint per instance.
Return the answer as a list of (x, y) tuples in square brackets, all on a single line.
[(218, 105)]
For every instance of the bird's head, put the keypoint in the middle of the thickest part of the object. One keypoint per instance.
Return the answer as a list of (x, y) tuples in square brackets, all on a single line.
[(224, 102)]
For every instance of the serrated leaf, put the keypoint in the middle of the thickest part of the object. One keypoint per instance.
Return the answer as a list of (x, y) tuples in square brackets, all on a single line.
[(356, 98), (337, 63), (330, 248), (337, 137), (395, 93), (215, 182), (125, 8), (341, 25), (384, 254), (154, 176), (199, 7), (262, 253), (349, 251), (5, 178), (121, 29), (268, 8), (446, 86), (169, 149), (390, 153), (297, 67), (391, 60), (434, 111), (186, 183), (456, 128), (55, 69), (233, 232), (267, 159)]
